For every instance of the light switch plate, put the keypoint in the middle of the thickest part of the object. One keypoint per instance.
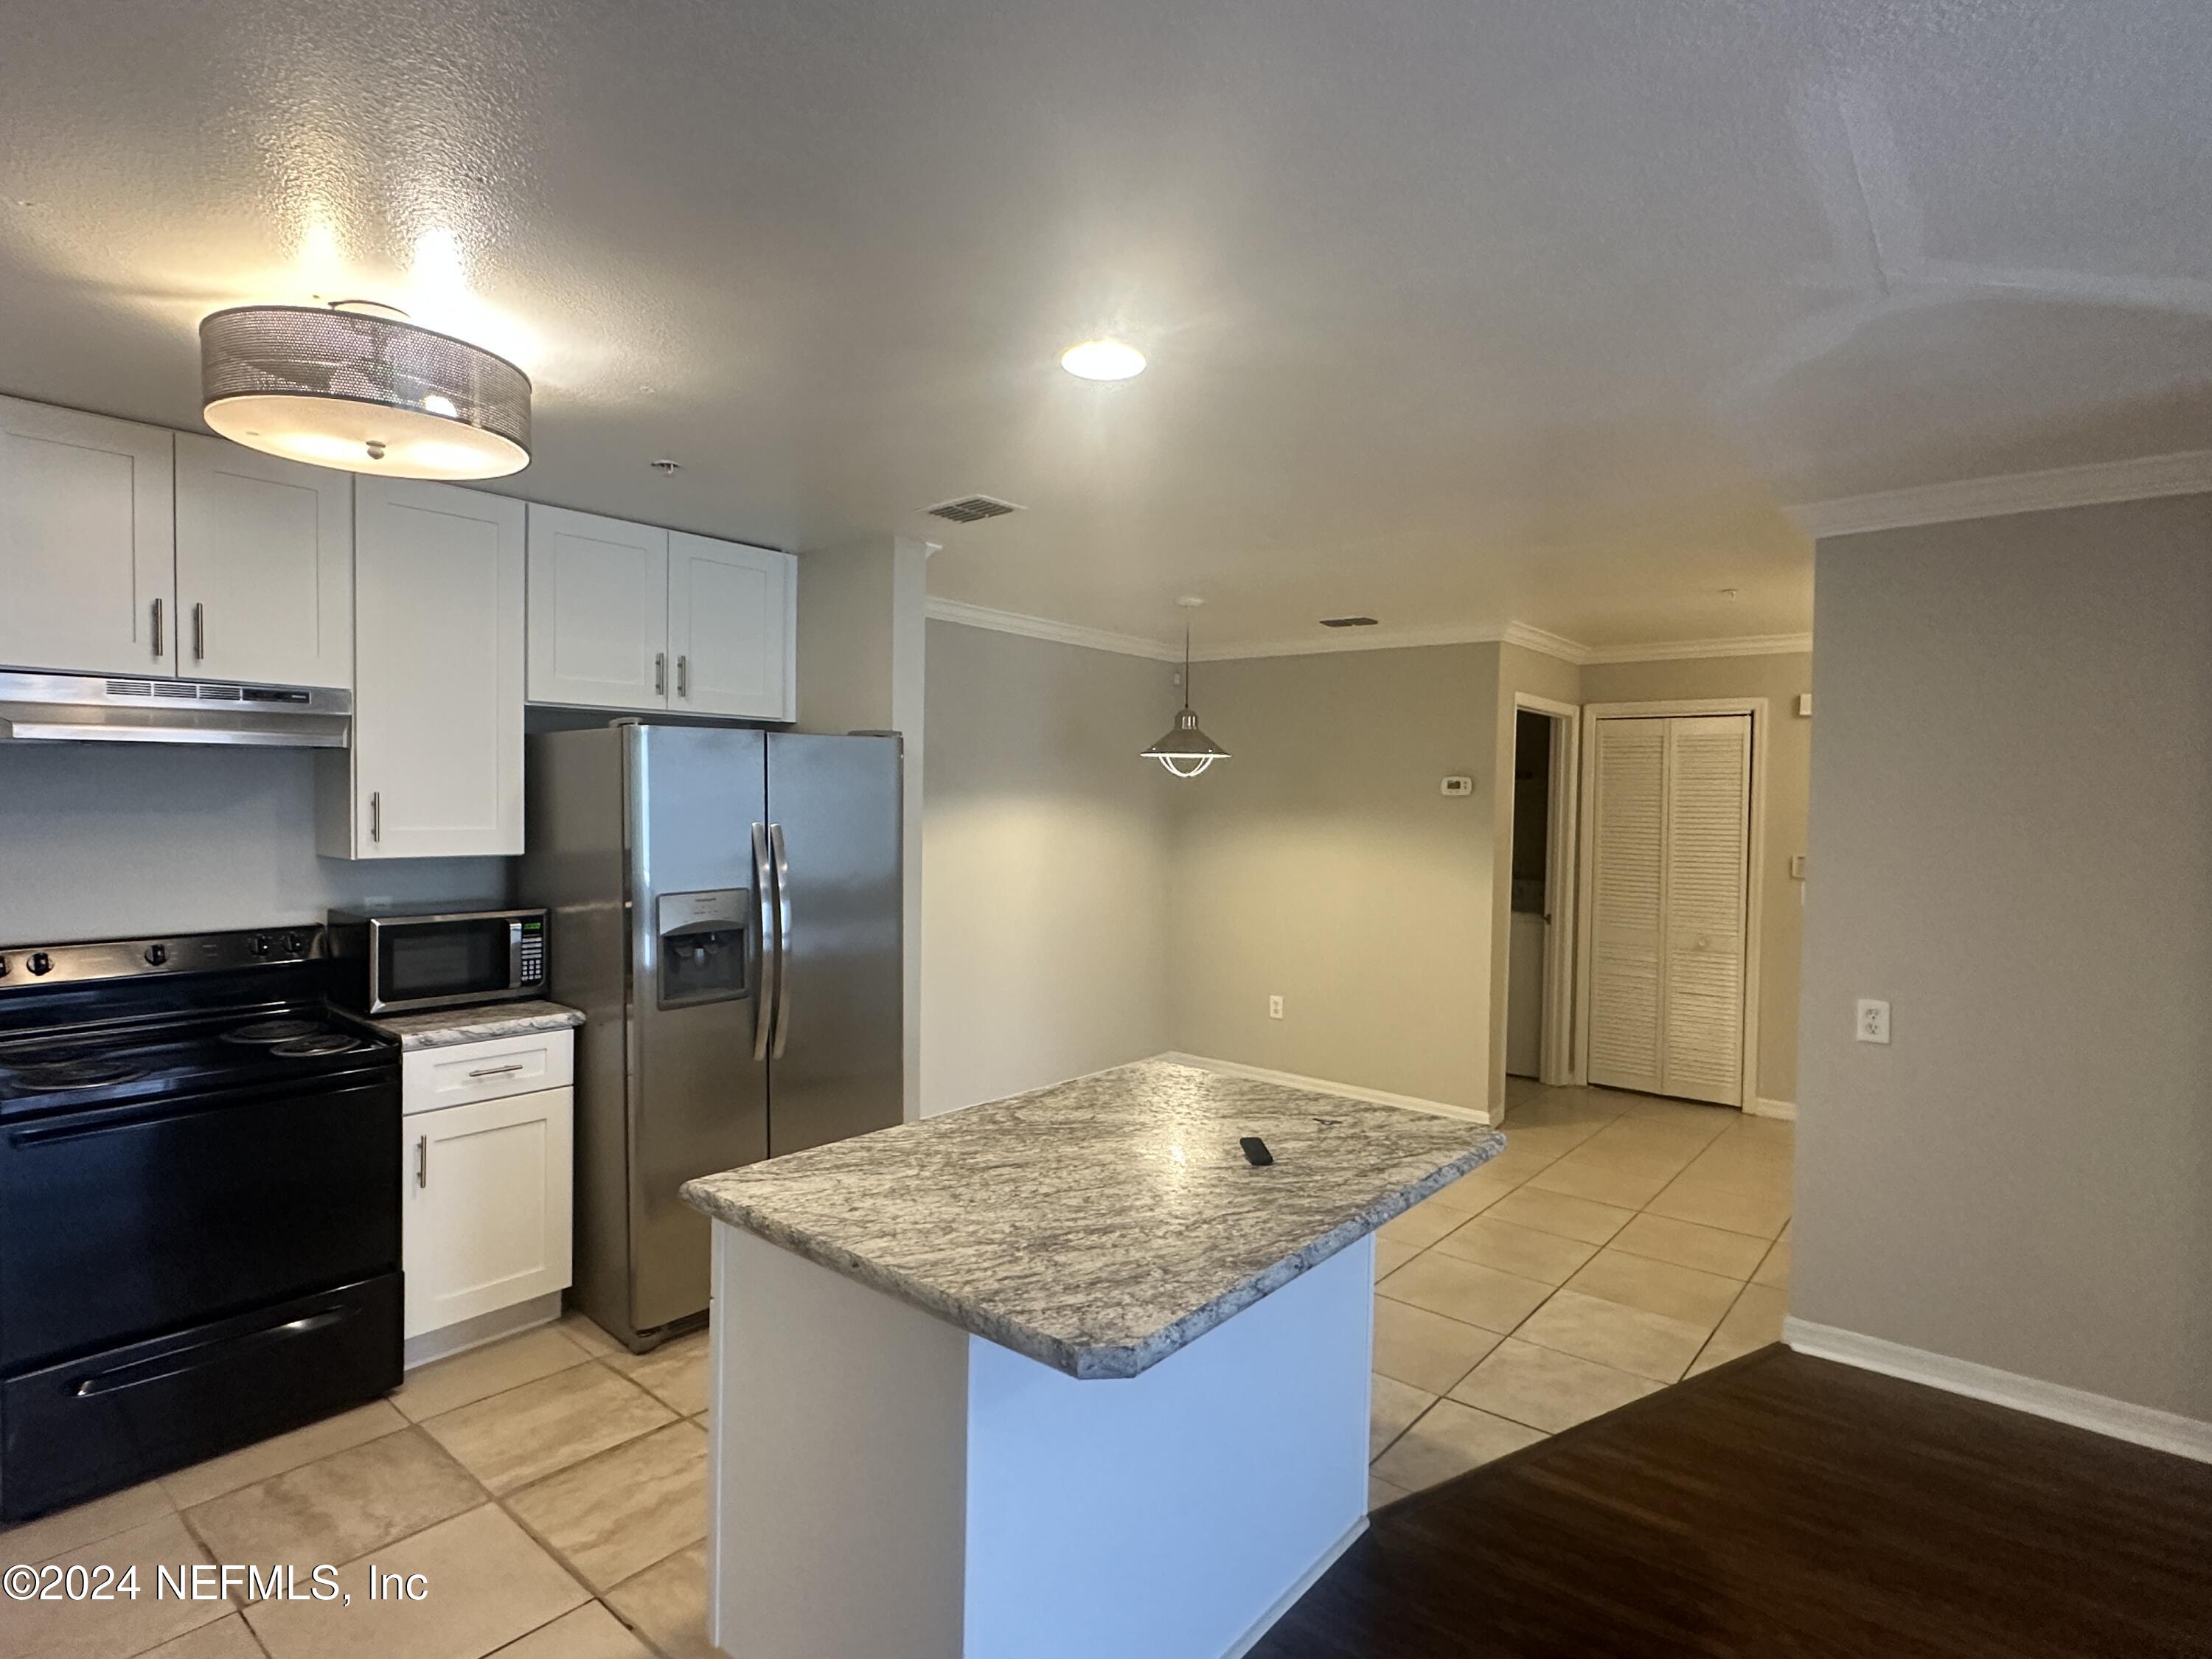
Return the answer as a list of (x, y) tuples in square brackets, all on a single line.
[(1805, 704), (1796, 866), (1873, 1021)]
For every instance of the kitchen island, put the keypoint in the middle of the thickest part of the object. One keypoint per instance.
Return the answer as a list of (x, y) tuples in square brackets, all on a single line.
[(1064, 1375)]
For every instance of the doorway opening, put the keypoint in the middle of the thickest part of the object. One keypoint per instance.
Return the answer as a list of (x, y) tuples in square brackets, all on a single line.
[(1539, 1004)]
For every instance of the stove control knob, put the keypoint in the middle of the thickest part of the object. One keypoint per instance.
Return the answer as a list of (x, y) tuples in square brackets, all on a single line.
[(294, 944), (3, 967), (156, 955), (259, 945), (38, 962)]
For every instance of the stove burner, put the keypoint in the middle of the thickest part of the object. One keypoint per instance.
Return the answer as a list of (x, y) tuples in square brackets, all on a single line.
[(322, 1043), (78, 1074), (276, 1030)]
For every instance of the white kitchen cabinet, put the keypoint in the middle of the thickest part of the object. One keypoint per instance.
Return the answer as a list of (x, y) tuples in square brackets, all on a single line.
[(264, 567), (732, 626), (435, 768), (86, 559), (598, 611), (486, 1215)]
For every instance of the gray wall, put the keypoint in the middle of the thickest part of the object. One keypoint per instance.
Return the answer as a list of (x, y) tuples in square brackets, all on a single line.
[(1789, 764), (1322, 864), (106, 840), (1046, 839), (2012, 841)]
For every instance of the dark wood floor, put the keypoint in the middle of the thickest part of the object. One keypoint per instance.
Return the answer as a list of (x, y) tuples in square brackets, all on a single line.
[(1783, 1506)]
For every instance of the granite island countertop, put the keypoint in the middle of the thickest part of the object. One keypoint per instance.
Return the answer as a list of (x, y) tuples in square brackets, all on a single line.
[(1099, 1225), (441, 1028)]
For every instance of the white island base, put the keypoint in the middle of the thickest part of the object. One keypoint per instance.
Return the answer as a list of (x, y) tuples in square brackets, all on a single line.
[(886, 1485)]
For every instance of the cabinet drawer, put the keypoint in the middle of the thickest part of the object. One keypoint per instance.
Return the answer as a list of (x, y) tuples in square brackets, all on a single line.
[(497, 1067)]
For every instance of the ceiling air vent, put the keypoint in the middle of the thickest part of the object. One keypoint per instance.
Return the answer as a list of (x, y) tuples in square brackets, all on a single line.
[(1347, 622), (968, 508)]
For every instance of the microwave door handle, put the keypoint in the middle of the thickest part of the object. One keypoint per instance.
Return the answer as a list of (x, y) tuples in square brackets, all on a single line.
[(782, 942), (763, 948)]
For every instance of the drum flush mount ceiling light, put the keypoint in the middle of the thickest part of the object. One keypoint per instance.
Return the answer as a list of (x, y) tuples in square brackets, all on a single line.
[(356, 385), (1186, 751)]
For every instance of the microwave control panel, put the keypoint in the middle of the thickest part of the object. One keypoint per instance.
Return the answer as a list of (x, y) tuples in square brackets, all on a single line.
[(530, 952)]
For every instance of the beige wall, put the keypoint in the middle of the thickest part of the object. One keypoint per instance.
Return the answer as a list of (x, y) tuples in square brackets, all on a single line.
[(1044, 917), (1780, 680), (1322, 864), (2012, 844)]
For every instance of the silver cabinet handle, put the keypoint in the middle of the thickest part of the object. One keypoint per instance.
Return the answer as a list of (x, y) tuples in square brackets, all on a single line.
[(157, 629), (782, 942), (376, 815), (495, 1070), (421, 1160), (684, 676), (661, 674), (199, 631), (765, 951)]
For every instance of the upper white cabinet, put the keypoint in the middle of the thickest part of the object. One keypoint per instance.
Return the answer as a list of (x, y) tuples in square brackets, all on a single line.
[(87, 564), (598, 611), (435, 768), (264, 567), (732, 622), (625, 616)]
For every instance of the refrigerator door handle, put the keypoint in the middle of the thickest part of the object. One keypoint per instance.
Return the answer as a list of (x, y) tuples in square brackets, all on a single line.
[(782, 941), (765, 953)]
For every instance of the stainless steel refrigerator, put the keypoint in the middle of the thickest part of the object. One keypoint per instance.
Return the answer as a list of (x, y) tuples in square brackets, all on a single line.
[(726, 913)]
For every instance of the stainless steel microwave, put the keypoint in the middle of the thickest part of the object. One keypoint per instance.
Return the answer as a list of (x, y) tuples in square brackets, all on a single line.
[(389, 962)]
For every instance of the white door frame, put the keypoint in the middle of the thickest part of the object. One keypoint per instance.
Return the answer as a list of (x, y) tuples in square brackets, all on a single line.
[(1754, 906), (1558, 1059)]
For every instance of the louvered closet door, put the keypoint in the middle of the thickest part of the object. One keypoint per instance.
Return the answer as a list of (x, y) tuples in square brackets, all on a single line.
[(1708, 849), (1670, 849), (1627, 830)]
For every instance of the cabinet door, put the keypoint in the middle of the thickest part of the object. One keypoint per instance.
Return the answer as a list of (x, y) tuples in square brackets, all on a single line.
[(733, 623), (598, 611), (485, 1218), (265, 566), (438, 674), (85, 548)]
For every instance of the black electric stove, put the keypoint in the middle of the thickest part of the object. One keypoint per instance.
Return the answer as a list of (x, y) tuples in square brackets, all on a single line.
[(199, 1207)]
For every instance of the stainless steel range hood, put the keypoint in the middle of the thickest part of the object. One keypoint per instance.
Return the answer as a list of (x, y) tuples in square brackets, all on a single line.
[(87, 709)]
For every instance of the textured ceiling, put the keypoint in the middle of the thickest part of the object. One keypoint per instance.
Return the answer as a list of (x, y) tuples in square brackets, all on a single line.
[(1459, 311)]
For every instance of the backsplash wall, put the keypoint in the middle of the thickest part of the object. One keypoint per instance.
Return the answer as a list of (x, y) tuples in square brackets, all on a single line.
[(101, 841)]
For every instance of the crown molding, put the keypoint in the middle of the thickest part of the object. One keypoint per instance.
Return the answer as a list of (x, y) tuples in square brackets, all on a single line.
[(1043, 628), (1749, 645), (1520, 634), (2187, 473)]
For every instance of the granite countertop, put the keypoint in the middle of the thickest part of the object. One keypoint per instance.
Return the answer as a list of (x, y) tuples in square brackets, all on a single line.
[(1097, 1226), (441, 1028)]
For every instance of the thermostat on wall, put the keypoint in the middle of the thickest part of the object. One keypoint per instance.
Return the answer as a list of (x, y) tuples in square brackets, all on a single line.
[(1459, 786)]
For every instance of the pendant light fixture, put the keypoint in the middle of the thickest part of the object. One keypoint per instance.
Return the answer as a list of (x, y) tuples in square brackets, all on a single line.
[(355, 385), (1186, 751)]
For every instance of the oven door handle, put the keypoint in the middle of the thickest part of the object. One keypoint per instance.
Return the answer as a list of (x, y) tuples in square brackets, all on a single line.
[(54, 1135), (191, 1359)]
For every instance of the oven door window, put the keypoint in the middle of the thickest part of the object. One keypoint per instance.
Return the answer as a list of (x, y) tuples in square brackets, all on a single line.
[(443, 959)]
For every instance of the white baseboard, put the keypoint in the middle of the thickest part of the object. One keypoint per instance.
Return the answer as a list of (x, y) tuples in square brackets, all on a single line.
[(1250, 1639), (1322, 1085), (2165, 1432), (1761, 1107)]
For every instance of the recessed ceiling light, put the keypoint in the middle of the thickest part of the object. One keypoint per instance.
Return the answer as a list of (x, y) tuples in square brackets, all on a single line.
[(1103, 360)]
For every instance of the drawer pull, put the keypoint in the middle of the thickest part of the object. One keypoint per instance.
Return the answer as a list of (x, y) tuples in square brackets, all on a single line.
[(494, 1071)]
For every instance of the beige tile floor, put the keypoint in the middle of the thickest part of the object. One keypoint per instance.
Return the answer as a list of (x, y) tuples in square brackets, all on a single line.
[(551, 1487), (1620, 1243)]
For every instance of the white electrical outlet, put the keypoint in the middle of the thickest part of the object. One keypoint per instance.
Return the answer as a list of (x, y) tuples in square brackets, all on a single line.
[(1873, 1021), (1274, 1007)]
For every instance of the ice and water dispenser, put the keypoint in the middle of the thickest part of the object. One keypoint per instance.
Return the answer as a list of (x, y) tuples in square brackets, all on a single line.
[(703, 946)]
